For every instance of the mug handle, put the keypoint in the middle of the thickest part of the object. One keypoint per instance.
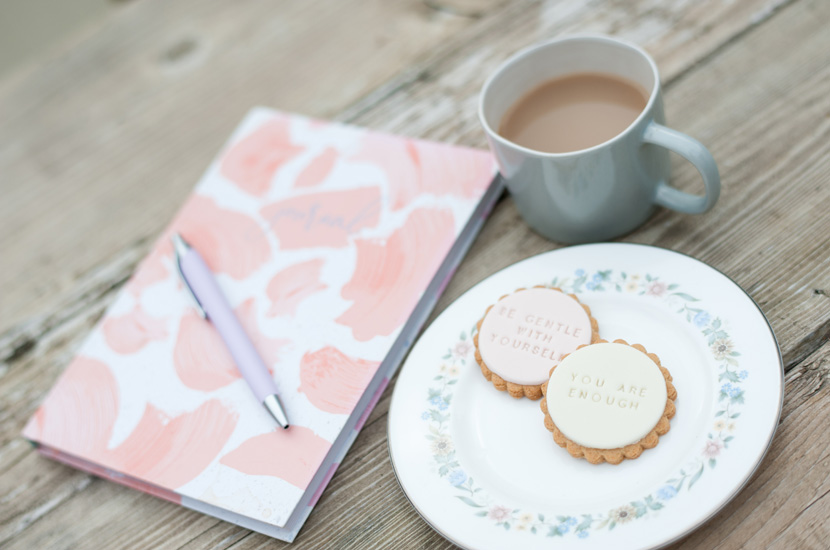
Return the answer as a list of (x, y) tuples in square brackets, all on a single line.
[(693, 151)]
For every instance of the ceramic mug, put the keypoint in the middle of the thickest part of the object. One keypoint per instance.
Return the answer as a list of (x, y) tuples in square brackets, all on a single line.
[(607, 190)]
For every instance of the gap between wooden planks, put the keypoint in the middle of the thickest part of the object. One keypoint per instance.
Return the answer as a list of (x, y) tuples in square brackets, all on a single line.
[(353, 526)]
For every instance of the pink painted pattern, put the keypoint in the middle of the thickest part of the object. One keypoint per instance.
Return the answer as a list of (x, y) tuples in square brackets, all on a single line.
[(288, 288), (150, 271), (390, 276), (415, 167), (171, 451), (326, 218), (79, 416), (252, 163), (129, 333), (202, 360), (292, 455), (318, 169), (333, 381), (80, 411), (230, 242)]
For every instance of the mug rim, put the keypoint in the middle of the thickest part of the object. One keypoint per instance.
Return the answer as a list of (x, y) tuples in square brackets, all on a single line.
[(530, 50)]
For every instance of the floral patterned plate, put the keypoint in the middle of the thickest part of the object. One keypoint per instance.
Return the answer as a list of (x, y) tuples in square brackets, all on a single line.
[(483, 471)]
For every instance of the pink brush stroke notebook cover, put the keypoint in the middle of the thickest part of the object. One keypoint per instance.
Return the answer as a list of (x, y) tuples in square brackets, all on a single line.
[(324, 238)]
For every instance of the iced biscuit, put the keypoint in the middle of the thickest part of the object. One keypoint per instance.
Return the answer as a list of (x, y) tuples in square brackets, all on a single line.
[(527, 332), (607, 402)]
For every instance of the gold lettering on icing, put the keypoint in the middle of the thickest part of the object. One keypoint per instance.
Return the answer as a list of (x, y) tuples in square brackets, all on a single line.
[(642, 392), (583, 394), (596, 398), (571, 392)]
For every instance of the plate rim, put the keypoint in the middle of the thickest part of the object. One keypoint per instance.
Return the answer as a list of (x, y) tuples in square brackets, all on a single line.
[(721, 505)]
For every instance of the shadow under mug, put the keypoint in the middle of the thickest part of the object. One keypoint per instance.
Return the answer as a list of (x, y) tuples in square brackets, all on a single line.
[(607, 190)]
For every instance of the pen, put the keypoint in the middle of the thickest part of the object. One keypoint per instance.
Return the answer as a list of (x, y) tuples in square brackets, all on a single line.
[(212, 305)]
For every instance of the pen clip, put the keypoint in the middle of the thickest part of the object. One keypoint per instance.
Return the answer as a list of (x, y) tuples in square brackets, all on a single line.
[(180, 248)]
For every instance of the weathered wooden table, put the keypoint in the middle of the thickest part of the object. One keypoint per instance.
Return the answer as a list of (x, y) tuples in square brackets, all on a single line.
[(101, 141)]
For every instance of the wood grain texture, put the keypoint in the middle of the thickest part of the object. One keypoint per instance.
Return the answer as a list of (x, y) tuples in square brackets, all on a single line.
[(103, 142)]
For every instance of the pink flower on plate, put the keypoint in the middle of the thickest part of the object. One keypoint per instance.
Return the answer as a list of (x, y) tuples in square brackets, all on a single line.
[(712, 448), (461, 349), (657, 288), (499, 513)]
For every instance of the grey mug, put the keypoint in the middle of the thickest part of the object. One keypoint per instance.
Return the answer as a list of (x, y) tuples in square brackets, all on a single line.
[(607, 190)]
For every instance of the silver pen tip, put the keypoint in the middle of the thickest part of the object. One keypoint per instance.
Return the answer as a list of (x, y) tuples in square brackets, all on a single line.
[(272, 403), (179, 244)]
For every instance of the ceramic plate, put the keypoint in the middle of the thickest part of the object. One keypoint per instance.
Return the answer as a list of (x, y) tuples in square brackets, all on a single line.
[(483, 471)]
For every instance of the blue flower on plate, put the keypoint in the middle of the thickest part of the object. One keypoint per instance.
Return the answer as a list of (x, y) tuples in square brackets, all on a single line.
[(743, 374), (666, 493), (457, 477), (424, 415), (582, 534), (442, 406), (564, 528), (735, 391), (570, 522), (579, 272), (727, 388), (596, 278), (701, 319), (590, 285), (437, 400)]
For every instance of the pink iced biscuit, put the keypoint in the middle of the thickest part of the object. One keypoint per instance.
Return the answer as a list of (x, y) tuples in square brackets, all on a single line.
[(526, 333)]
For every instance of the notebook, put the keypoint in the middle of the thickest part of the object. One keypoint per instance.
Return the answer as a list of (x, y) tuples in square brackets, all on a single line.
[(333, 244)]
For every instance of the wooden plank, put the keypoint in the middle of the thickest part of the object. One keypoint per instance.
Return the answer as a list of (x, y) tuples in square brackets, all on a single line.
[(365, 479), (101, 145), (748, 107), (136, 113)]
